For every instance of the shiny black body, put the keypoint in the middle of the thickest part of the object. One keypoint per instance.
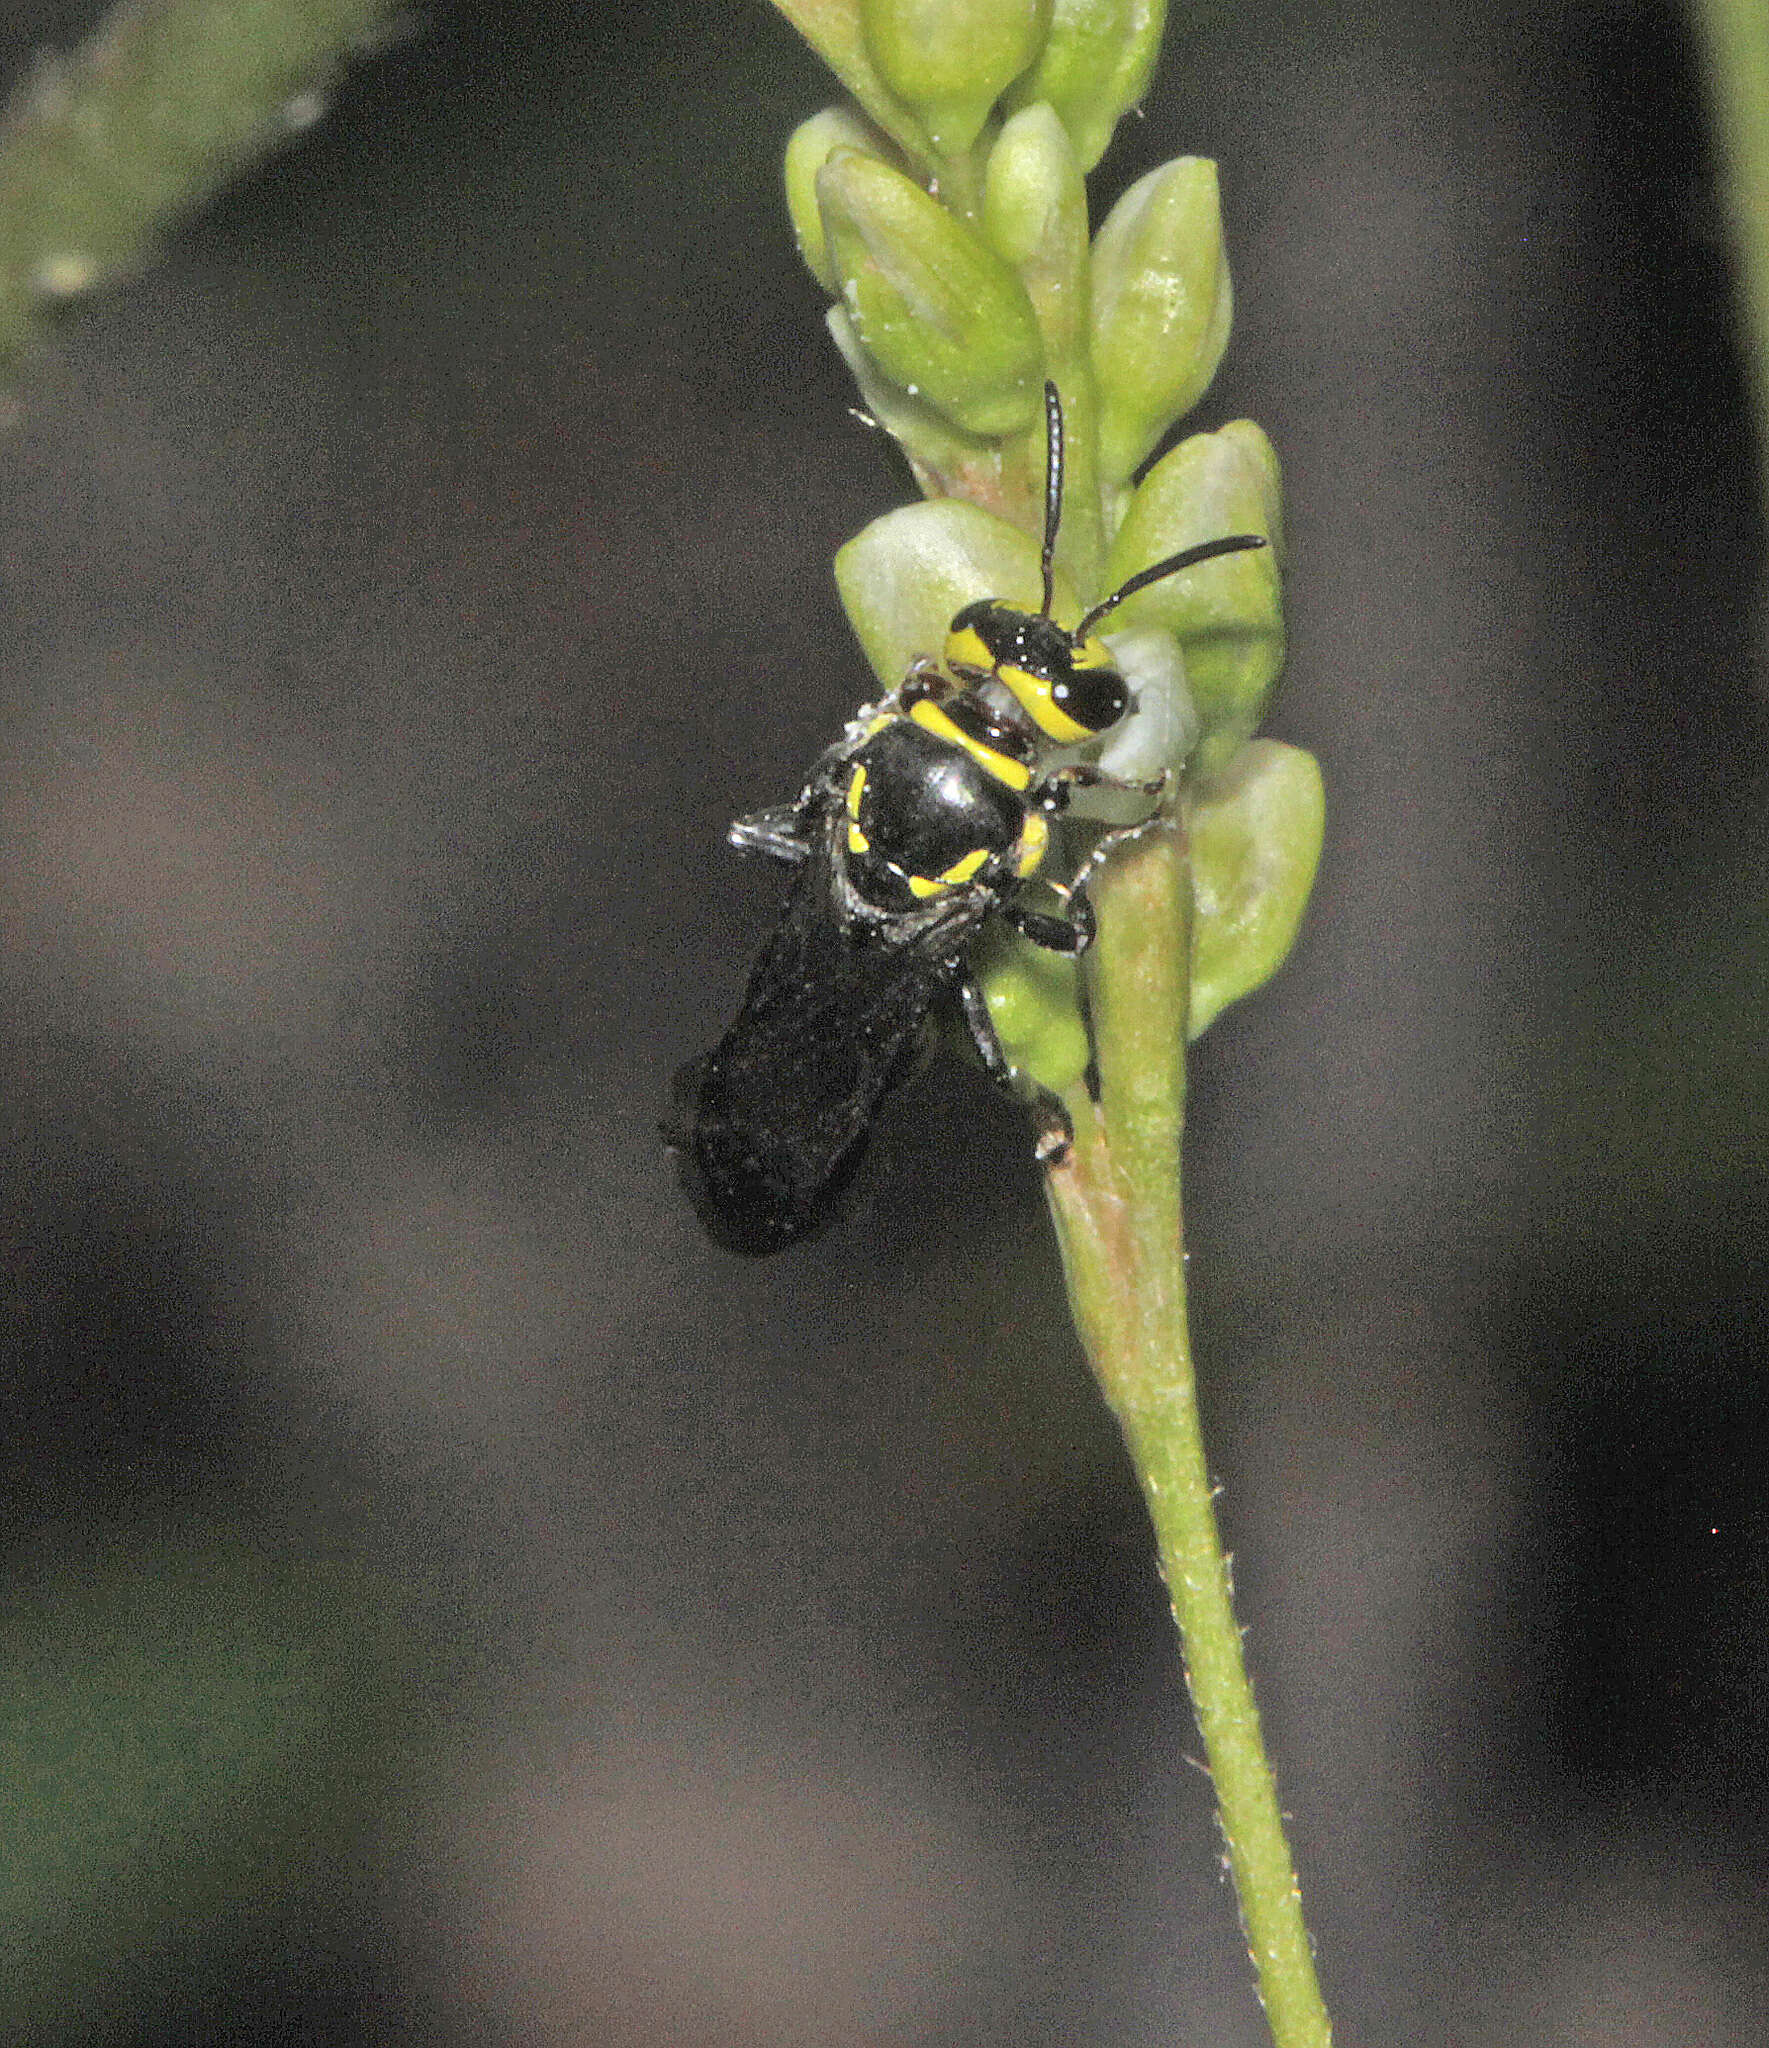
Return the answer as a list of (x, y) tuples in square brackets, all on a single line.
[(929, 804), (929, 816), (771, 1123)]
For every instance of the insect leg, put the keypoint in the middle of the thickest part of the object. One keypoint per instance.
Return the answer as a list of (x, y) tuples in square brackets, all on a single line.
[(1055, 1131), (1072, 934), (1053, 790), (1123, 835), (778, 832), (1075, 932), (926, 679)]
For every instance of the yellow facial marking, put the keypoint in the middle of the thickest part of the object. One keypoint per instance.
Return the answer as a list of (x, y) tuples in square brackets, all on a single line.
[(967, 649), (920, 886), (1032, 694), (1092, 654), (1003, 767)]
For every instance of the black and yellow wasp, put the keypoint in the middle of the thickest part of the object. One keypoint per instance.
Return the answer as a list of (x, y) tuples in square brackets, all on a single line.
[(929, 815)]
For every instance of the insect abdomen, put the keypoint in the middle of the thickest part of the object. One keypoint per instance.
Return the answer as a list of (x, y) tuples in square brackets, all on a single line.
[(771, 1124)]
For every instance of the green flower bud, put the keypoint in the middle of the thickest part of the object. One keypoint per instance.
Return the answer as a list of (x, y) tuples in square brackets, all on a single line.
[(833, 29), (1227, 615), (1059, 1057), (1034, 999), (934, 306), (951, 60), (903, 577), (943, 459), (1255, 844), (1096, 65), (1035, 214), (1161, 307), (813, 142)]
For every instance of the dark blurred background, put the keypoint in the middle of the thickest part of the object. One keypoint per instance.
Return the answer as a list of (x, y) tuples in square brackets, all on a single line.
[(446, 1599)]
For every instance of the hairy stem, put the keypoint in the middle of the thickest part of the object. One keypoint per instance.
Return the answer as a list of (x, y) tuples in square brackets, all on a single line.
[(1117, 1207)]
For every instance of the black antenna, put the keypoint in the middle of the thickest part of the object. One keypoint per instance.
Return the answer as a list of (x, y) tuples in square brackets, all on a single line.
[(1053, 489), (1187, 558)]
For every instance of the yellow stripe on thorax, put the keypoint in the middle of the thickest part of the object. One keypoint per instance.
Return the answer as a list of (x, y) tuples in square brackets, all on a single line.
[(1034, 843), (857, 840), (1015, 774), (962, 870)]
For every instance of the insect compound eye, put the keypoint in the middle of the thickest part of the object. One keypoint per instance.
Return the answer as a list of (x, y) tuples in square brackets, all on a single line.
[(1094, 697)]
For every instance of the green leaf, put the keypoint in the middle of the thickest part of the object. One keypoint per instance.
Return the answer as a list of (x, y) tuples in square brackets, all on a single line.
[(1256, 842)]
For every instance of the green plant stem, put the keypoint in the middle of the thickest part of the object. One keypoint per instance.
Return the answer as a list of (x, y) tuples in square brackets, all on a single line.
[(1117, 1207), (100, 151), (958, 183), (1735, 39)]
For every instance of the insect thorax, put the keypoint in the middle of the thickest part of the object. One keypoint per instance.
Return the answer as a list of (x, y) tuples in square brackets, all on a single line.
[(925, 816)]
